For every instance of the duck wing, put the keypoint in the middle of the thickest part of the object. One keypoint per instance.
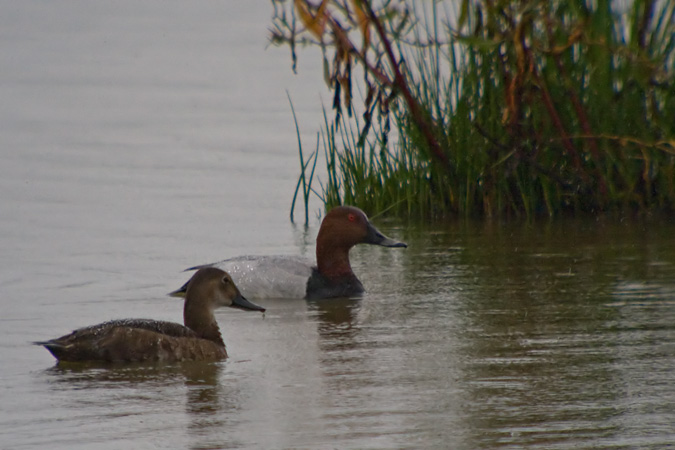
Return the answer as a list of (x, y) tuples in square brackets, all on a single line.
[(262, 277), (133, 340)]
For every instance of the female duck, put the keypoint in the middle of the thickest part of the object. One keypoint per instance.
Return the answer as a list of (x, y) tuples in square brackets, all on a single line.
[(152, 340), (294, 277)]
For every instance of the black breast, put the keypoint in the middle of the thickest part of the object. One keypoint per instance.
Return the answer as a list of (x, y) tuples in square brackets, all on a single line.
[(319, 286)]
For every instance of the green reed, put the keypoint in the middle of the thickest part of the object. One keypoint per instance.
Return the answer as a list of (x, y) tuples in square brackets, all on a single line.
[(305, 180), (540, 108)]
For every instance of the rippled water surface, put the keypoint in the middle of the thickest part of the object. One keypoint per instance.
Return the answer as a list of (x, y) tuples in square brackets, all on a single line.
[(139, 138)]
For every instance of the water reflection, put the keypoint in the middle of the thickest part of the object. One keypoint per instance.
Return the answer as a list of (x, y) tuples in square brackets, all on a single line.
[(203, 396), (335, 315), (555, 321), (93, 374), (151, 390), (475, 337), (210, 404)]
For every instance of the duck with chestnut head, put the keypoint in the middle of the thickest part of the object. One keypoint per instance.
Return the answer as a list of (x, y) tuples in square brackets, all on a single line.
[(277, 276)]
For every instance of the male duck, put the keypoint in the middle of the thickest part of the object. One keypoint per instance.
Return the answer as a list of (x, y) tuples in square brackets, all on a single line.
[(296, 277), (152, 340)]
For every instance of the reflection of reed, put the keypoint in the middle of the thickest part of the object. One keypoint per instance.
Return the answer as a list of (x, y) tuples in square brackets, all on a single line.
[(535, 359)]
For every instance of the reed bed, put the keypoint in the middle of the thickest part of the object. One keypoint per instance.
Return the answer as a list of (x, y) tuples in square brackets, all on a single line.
[(481, 108)]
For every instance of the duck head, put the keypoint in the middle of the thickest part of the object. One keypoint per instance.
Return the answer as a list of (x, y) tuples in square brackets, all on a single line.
[(211, 288), (341, 229), (208, 289)]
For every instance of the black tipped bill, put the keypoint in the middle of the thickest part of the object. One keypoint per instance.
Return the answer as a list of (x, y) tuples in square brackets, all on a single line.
[(375, 237), (241, 303)]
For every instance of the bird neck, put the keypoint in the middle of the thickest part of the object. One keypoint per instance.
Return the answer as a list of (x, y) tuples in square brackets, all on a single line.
[(202, 321), (332, 260)]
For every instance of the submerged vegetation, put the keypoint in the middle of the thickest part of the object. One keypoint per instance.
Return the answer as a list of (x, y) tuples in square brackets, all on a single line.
[(491, 108)]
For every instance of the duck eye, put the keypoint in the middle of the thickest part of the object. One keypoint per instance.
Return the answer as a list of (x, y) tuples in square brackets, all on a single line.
[(225, 280), (351, 217)]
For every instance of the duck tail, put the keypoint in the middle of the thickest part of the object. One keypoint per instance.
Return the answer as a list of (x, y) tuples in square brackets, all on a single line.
[(54, 348), (180, 293)]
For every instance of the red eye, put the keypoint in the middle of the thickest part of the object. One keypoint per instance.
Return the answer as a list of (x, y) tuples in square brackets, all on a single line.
[(351, 217)]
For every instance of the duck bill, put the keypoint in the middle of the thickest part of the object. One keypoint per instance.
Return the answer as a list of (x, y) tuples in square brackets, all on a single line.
[(240, 302), (375, 237)]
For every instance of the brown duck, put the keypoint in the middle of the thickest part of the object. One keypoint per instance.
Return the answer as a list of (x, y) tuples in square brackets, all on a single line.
[(130, 340)]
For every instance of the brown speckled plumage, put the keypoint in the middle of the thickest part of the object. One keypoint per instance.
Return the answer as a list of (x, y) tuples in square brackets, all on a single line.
[(130, 340)]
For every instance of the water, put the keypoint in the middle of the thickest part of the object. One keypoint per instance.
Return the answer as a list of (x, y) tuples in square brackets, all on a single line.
[(141, 138)]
